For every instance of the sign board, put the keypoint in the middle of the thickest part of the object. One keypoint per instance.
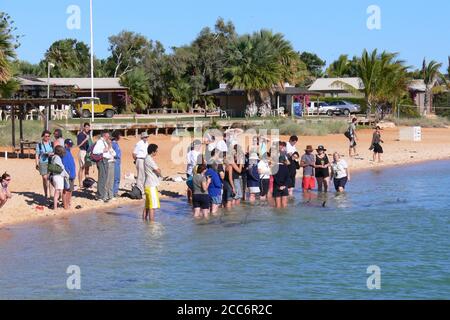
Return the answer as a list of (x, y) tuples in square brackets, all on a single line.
[(411, 134)]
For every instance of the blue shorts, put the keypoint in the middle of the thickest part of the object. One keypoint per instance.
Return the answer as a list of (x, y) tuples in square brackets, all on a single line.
[(216, 200)]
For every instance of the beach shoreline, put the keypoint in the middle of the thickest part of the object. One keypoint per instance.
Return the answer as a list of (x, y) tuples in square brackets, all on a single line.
[(435, 146)]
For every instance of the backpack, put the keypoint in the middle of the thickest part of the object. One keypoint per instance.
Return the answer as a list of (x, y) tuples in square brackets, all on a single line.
[(134, 194), (53, 168), (88, 183)]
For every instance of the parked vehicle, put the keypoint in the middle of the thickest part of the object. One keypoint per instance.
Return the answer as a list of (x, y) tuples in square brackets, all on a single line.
[(346, 108), (322, 107), (83, 108)]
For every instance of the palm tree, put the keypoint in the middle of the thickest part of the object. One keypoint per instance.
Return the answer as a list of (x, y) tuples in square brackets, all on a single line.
[(339, 68), (137, 83), (8, 44), (430, 73), (260, 62)]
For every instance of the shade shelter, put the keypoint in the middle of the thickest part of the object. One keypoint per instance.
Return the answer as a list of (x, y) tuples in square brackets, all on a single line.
[(18, 109)]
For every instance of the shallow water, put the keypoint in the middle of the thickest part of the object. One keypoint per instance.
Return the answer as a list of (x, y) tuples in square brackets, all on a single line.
[(397, 219)]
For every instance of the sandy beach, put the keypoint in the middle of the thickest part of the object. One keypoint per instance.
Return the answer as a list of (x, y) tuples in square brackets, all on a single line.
[(27, 190)]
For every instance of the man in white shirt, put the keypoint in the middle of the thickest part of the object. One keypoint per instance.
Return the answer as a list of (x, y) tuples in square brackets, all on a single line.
[(139, 155), (290, 146), (103, 148), (193, 157)]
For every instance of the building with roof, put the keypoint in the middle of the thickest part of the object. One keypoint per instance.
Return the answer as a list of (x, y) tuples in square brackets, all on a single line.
[(109, 90), (234, 101), (338, 87)]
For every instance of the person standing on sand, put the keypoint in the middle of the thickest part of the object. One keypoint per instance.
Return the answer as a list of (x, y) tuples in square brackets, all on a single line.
[(69, 165), (351, 134), (139, 155), (152, 175), (322, 169), (340, 172), (376, 145), (5, 194), (102, 148), (84, 141), (109, 187), (118, 162), (44, 150), (58, 138), (308, 163), (58, 179)]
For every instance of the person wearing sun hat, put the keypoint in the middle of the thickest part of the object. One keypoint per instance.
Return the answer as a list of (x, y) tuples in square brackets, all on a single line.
[(322, 167), (307, 162)]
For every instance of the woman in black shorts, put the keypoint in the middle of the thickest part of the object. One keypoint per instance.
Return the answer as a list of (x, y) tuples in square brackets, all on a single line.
[(376, 145), (322, 166), (200, 200)]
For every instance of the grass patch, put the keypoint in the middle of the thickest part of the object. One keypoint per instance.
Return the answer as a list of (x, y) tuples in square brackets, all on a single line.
[(306, 128), (32, 131), (438, 122)]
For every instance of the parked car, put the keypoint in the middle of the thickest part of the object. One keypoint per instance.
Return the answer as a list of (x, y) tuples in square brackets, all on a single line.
[(322, 107), (346, 108), (83, 108)]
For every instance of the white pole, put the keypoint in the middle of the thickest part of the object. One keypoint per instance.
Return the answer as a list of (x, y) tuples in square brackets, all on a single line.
[(92, 64)]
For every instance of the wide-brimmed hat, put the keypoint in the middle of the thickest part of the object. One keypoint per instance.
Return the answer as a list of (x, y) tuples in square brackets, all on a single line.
[(144, 135), (309, 149), (253, 156), (321, 148)]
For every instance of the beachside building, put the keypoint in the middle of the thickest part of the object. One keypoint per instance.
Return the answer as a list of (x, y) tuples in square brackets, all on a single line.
[(338, 87), (234, 101), (109, 90), (417, 90)]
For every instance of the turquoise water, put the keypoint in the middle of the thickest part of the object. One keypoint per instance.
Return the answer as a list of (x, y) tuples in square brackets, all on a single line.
[(397, 219)]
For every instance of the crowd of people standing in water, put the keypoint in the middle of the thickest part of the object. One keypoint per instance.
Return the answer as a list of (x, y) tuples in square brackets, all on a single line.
[(219, 172)]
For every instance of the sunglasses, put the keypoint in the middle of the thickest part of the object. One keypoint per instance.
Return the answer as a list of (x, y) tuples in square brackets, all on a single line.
[(46, 136), (7, 180)]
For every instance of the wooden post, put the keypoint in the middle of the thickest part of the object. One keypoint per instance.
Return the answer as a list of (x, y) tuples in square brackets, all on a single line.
[(21, 130), (13, 126)]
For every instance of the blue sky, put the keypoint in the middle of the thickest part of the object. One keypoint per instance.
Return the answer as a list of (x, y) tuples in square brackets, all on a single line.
[(416, 29)]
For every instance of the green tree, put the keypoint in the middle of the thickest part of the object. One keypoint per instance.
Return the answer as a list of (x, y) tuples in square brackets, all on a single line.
[(137, 83), (313, 63), (339, 68), (257, 63), (430, 74), (9, 42), (70, 57), (128, 50)]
